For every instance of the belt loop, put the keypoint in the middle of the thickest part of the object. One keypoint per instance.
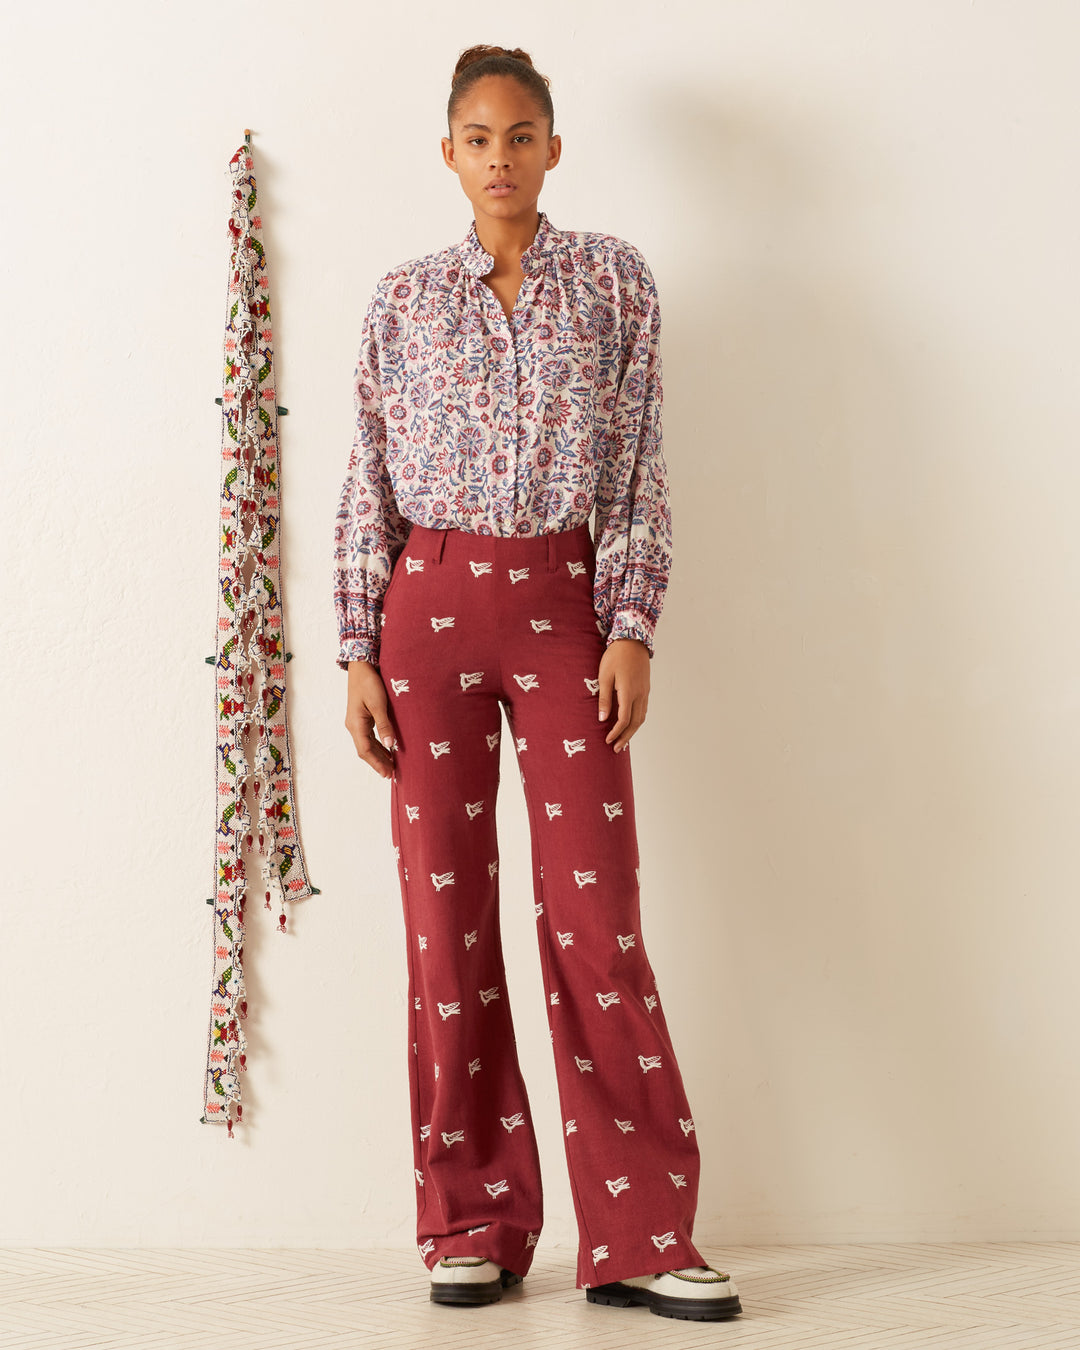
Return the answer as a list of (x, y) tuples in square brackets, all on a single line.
[(440, 546), (552, 560)]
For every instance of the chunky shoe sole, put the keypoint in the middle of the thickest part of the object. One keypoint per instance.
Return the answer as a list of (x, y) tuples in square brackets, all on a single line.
[(687, 1309), (472, 1294)]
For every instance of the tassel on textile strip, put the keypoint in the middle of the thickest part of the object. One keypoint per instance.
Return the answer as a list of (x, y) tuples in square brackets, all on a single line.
[(257, 842)]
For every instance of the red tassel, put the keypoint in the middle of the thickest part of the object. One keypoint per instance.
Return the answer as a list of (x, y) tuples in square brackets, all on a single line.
[(281, 922)]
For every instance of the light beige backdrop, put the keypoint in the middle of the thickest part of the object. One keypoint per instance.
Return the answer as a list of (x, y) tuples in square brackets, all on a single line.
[(857, 787)]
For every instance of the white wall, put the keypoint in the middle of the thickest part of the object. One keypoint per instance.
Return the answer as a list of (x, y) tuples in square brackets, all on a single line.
[(857, 785)]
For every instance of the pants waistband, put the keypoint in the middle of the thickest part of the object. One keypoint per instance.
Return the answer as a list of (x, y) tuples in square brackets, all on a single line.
[(554, 548)]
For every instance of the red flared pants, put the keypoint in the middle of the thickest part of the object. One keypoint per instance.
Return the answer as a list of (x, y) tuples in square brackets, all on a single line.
[(475, 625)]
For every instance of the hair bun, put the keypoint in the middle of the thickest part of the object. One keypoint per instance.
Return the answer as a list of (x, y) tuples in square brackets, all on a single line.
[(481, 50)]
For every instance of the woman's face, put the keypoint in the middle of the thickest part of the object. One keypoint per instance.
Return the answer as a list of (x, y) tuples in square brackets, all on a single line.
[(500, 133)]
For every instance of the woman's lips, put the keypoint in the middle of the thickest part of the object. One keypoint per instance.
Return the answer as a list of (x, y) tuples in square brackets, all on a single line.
[(501, 189)]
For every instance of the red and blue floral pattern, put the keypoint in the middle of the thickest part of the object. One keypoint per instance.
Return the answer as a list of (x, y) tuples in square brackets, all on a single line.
[(468, 419)]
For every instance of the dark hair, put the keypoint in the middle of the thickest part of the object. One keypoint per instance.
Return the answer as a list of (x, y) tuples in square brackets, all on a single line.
[(476, 62)]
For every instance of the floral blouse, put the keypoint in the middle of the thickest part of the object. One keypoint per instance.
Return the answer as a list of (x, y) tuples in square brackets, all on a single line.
[(466, 419)]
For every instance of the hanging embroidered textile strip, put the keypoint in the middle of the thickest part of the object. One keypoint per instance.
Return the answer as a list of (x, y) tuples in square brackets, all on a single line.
[(257, 842)]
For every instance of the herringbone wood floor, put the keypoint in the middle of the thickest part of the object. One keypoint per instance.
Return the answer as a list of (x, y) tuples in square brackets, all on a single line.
[(979, 1296)]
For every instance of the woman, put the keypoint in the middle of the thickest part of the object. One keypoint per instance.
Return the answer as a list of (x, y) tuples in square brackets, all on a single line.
[(505, 387)]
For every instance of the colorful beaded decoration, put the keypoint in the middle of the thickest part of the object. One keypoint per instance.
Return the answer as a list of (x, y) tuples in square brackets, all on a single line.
[(257, 830)]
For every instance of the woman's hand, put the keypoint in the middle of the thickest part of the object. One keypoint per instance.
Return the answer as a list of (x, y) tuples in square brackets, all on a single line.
[(624, 667), (366, 710)]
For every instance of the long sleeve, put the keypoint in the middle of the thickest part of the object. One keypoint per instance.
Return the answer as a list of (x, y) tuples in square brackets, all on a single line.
[(633, 516), (369, 531)]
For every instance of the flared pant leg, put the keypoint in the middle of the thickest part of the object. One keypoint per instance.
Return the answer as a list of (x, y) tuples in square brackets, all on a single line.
[(477, 1169), (629, 1135)]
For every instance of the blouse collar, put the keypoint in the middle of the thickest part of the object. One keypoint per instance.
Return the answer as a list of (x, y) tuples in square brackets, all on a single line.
[(479, 261)]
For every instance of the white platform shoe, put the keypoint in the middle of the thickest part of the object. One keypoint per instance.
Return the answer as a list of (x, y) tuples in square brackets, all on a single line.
[(695, 1294), (469, 1280)]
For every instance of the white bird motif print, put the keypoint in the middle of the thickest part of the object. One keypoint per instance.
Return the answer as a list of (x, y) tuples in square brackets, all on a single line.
[(493, 739), (679, 1178), (480, 569), (438, 624), (453, 1137), (469, 678), (538, 908), (650, 1002), (593, 686), (554, 998), (414, 565), (470, 938), (412, 813), (425, 1130), (521, 745), (495, 1188), (518, 574), (565, 939), (553, 809), (482, 1229), (686, 1125), (585, 878), (487, 995), (606, 1000), (527, 682), (439, 748), (663, 1240), (510, 1123), (441, 879), (419, 1175), (571, 1127), (399, 686), (619, 1184), (436, 1071), (541, 625), (627, 1126), (626, 940), (427, 1248), (473, 809), (449, 1009), (493, 867), (474, 1067), (648, 1062), (416, 1004), (574, 747), (531, 1239), (584, 1065), (577, 569), (422, 941), (612, 809), (600, 1253)]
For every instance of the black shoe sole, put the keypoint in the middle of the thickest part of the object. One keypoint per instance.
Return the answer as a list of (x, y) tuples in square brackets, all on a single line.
[(686, 1309), (472, 1295)]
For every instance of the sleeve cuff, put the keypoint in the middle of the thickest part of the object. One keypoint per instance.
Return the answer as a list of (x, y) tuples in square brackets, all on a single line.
[(631, 625), (358, 649)]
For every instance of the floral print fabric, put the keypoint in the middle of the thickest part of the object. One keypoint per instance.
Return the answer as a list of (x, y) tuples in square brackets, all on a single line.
[(256, 840), (467, 419)]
